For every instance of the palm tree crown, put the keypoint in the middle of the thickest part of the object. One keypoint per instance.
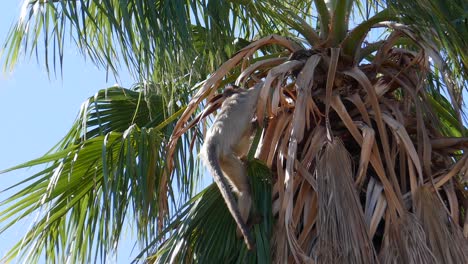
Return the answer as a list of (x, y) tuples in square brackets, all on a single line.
[(358, 157)]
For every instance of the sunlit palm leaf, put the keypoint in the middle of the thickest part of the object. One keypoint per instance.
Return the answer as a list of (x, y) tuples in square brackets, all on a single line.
[(107, 167), (152, 38)]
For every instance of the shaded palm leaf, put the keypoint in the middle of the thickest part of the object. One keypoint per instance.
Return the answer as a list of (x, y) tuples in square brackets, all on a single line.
[(448, 21), (203, 230)]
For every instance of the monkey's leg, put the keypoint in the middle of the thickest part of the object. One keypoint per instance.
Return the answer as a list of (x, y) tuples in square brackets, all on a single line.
[(236, 172)]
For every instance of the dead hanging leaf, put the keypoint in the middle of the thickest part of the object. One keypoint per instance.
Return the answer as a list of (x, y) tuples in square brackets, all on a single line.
[(444, 237), (335, 54), (368, 141), (405, 242), (269, 80), (403, 159), (302, 191), (280, 171), (275, 106), (364, 81), (375, 206), (356, 100), (453, 201), (375, 160), (280, 131), (313, 146), (455, 169), (413, 178), (342, 232), (306, 238), (465, 224), (441, 143), (304, 173), (266, 144), (211, 84), (303, 85), (400, 131), (263, 64)]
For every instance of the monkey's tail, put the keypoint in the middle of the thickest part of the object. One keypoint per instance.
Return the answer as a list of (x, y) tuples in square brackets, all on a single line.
[(224, 187)]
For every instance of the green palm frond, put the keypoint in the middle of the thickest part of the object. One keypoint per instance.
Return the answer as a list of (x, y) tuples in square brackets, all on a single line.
[(447, 19), (107, 167), (442, 25), (152, 38), (203, 231)]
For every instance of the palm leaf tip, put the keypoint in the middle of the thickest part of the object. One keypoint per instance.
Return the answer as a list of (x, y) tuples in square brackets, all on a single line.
[(444, 237), (107, 163), (338, 204), (406, 242)]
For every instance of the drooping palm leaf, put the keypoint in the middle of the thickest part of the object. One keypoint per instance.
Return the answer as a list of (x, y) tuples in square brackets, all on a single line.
[(448, 20), (107, 168)]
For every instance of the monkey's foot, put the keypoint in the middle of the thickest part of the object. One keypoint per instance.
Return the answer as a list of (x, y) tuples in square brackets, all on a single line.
[(239, 233), (248, 239), (253, 220)]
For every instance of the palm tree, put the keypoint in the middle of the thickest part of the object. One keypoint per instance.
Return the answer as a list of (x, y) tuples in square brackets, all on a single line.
[(377, 84)]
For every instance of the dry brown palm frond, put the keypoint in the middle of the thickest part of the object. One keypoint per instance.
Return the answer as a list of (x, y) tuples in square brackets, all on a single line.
[(454, 171), (376, 161), (333, 64), (342, 232), (303, 85), (405, 242), (364, 81), (269, 142), (267, 63), (440, 143), (452, 201), (444, 237), (375, 206), (273, 74), (380, 112), (400, 131), (368, 140), (213, 82)]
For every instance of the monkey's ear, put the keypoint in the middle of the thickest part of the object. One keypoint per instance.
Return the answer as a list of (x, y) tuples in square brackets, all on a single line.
[(230, 89), (231, 86)]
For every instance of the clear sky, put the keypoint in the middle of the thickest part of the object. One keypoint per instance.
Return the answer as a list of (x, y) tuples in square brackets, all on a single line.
[(36, 112)]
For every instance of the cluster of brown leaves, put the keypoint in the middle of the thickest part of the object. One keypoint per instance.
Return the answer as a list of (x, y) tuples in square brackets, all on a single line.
[(320, 114)]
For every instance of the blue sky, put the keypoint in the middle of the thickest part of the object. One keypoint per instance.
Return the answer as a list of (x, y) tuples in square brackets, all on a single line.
[(36, 112)]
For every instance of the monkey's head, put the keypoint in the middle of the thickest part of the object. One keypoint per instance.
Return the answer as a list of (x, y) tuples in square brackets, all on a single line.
[(230, 90)]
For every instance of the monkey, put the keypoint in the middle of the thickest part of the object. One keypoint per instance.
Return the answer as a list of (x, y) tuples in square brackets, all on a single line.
[(226, 144)]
